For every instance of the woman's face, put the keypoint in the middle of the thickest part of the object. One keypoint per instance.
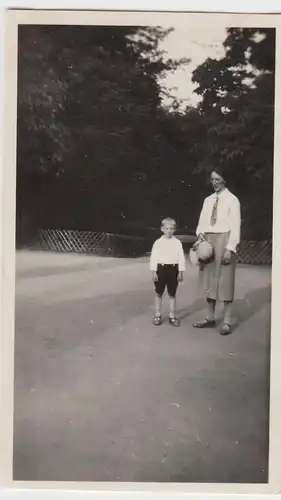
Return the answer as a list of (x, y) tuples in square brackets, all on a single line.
[(217, 181)]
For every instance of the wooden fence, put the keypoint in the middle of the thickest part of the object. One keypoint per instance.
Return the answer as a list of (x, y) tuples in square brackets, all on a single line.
[(99, 243), (108, 244), (255, 252)]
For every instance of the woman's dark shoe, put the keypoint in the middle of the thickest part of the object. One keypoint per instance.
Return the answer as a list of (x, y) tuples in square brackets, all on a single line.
[(174, 322), (225, 329), (157, 320), (206, 323)]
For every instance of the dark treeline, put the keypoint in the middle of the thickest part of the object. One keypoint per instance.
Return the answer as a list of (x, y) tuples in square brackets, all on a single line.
[(98, 150)]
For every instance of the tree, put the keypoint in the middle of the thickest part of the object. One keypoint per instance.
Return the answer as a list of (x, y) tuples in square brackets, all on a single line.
[(237, 110), (88, 120)]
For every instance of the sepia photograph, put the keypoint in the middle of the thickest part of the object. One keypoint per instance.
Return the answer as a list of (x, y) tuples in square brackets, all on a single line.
[(143, 250)]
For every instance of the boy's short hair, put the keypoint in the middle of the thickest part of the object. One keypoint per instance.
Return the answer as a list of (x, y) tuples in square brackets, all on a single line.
[(168, 220)]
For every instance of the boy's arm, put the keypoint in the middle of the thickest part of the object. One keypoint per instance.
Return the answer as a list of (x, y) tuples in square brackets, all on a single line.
[(181, 258), (153, 258)]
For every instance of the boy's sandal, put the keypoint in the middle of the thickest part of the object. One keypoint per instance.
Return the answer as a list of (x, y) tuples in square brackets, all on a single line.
[(206, 323), (225, 329), (174, 322), (157, 320)]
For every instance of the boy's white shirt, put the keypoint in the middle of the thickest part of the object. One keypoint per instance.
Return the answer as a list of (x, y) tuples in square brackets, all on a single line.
[(167, 251)]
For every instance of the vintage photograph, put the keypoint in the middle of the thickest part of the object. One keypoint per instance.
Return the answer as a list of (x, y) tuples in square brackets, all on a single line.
[(144, 207)]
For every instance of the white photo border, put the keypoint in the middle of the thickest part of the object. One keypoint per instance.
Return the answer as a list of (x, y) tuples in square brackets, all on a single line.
[(13, 19)]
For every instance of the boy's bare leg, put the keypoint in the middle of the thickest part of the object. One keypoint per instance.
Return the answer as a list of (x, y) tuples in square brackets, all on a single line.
[(158, 305), (172, 318), (172, 304)]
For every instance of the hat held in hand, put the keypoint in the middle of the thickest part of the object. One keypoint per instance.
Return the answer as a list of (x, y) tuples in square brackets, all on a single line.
[(204, 251), (201, 252)]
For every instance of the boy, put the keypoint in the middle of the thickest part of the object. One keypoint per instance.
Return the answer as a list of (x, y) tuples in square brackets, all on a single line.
[(167, 263)]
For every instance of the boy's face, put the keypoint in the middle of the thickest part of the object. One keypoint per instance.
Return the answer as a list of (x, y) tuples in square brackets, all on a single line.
[(168, 229)]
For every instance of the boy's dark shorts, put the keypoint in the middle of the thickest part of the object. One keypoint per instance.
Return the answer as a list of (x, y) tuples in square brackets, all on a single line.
[(167, 277)]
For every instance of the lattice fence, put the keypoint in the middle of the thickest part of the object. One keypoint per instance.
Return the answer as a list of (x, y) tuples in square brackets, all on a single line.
[(255, 252), (99, 243)]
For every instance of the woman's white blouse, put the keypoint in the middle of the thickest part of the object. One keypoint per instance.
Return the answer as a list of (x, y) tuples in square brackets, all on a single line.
[(228, 217)]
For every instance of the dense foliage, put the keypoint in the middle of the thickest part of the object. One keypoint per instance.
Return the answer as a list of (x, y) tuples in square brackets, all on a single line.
[(237, 112), (98, 150)]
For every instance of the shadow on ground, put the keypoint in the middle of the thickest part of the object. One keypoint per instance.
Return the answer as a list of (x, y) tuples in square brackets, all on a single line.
[(244, 308)]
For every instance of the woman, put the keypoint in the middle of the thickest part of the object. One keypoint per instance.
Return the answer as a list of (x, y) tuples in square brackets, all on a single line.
[(219, 224)]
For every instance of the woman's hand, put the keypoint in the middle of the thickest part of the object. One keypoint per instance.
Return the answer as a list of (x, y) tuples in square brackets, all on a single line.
[(200, 238), (226, 257)]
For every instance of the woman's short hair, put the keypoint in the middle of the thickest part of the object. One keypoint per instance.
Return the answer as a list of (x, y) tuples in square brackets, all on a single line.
[(222, 171)]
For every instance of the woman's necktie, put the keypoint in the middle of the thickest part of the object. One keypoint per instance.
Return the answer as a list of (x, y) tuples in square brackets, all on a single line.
[(215, 212)]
